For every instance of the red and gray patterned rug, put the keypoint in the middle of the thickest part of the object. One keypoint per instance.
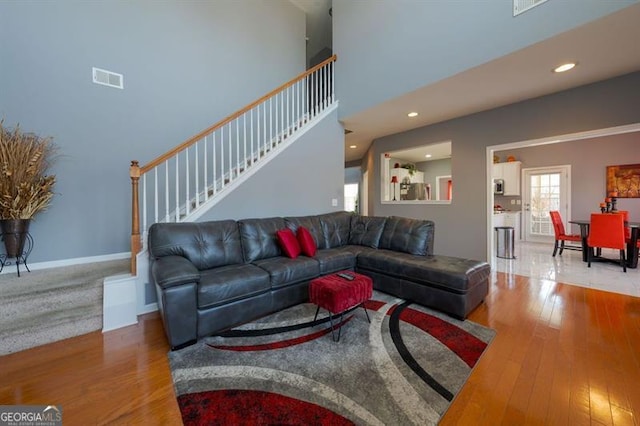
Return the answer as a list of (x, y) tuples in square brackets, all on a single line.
[(405, 367)]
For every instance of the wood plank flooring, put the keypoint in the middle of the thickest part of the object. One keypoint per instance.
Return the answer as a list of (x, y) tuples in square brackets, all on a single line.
[(563, 355)]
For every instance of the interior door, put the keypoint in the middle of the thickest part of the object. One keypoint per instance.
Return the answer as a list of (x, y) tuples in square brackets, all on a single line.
[(545, 189)]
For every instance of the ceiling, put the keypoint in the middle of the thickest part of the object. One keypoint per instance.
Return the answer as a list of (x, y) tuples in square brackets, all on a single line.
[(605, 48), (436, 151)]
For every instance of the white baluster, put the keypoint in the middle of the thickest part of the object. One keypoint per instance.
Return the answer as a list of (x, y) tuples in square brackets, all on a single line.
[(333, 82), (244, 140), (177, 188), (197, 162), (222, 173), (315, 93), (187, 175), (155, 202), (276, 122), (144, 201), (299, 110), (166, 191), (264, 125), (206, 171), (230, 146), (253, 155), (258, 141), (281, 116), (271, 139), (288, 110), (238, 156), (213, 153)]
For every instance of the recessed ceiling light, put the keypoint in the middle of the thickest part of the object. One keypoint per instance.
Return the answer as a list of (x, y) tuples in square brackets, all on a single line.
[(565, 67), (353, 146), (428, 155), (412, 114)]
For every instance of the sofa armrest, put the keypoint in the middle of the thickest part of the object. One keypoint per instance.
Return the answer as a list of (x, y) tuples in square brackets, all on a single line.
[(172, 271)]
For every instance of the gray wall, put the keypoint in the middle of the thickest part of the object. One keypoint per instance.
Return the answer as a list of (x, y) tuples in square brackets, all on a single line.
[(387, 48), (589, 159), (302, 180), (461, 227), (352, 174), (186, 65)]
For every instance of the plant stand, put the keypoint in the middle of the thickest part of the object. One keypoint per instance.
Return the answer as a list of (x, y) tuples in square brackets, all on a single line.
[(20, 258)]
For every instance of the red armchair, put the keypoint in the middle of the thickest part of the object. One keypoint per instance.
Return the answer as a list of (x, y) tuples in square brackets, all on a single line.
[(607, 231), (561, 236)]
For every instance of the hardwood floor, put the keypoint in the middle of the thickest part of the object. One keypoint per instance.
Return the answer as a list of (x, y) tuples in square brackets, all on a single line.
[(563, 355)]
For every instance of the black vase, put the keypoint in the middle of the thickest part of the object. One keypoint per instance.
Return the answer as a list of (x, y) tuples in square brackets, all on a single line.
[(14, 234)]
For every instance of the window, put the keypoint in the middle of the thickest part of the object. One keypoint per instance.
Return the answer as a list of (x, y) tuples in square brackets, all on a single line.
[(415, 175)]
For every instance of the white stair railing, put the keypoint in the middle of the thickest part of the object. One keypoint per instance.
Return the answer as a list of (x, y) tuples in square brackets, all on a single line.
[(177, 184)]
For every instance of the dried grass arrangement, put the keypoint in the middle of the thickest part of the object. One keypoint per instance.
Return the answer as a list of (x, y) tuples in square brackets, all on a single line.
[(25, 186)]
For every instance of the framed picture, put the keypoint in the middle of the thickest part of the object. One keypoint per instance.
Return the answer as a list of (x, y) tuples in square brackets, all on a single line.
[(625, 180)]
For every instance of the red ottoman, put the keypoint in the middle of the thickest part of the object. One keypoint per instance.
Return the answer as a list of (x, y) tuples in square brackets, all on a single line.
[(337, 295)]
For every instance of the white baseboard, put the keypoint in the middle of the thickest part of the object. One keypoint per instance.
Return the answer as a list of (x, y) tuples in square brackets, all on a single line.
[(71, 262)]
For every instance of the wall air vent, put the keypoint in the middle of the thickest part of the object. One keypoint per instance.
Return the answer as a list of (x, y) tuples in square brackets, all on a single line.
[(108, 78), (520, 6)]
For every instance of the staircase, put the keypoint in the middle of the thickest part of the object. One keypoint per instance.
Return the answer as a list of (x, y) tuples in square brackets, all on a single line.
[(187, 181)]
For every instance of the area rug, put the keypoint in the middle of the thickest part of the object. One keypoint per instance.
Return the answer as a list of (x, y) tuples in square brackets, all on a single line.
[(403, 367)]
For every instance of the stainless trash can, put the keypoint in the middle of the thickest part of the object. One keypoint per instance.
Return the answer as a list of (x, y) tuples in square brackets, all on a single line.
[(504, 242)]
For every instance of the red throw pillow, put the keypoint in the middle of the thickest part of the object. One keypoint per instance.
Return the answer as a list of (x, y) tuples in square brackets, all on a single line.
[(288, 242), (307, 244)]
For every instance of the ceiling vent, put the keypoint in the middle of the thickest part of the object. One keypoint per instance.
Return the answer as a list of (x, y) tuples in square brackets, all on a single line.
[(520, 6), (108, 78)]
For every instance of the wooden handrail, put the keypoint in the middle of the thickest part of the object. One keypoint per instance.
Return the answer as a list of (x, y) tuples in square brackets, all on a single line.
[(159, 160), (135, 171)]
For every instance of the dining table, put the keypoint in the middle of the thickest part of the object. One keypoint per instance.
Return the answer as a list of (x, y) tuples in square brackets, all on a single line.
[(632, 244)]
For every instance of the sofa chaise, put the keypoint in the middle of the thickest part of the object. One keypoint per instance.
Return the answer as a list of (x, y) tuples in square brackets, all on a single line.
[(210, 276)]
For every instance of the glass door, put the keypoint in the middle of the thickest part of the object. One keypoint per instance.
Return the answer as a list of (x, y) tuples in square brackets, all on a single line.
[(546, 189)]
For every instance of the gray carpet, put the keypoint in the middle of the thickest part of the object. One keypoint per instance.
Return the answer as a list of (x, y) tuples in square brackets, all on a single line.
[(52, 304), (404, 367)]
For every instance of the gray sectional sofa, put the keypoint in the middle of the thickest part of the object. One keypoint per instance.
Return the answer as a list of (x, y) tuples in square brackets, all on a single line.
[(210, 276)]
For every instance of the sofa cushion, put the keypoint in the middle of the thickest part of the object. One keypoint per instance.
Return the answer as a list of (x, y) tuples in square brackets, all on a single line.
[(206, 244), (366, 230), (412, 236), (288, 242), (335, 259), (449, 273), (284, 271), (335, 229), (259, 238), (306, 241), (312, 223), (226, 284)]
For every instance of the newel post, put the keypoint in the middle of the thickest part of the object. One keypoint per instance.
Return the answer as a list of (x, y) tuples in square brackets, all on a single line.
[(136, 245)]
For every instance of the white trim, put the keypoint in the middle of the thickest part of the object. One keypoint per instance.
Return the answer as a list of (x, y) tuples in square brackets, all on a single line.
[(70, 262), (569, 137), (438, 178)]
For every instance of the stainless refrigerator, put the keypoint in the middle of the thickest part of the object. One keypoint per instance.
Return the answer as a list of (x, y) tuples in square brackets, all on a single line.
[(415, 191)]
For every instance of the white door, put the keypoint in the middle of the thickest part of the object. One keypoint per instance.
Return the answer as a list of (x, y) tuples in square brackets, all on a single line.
[(545, 189)]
